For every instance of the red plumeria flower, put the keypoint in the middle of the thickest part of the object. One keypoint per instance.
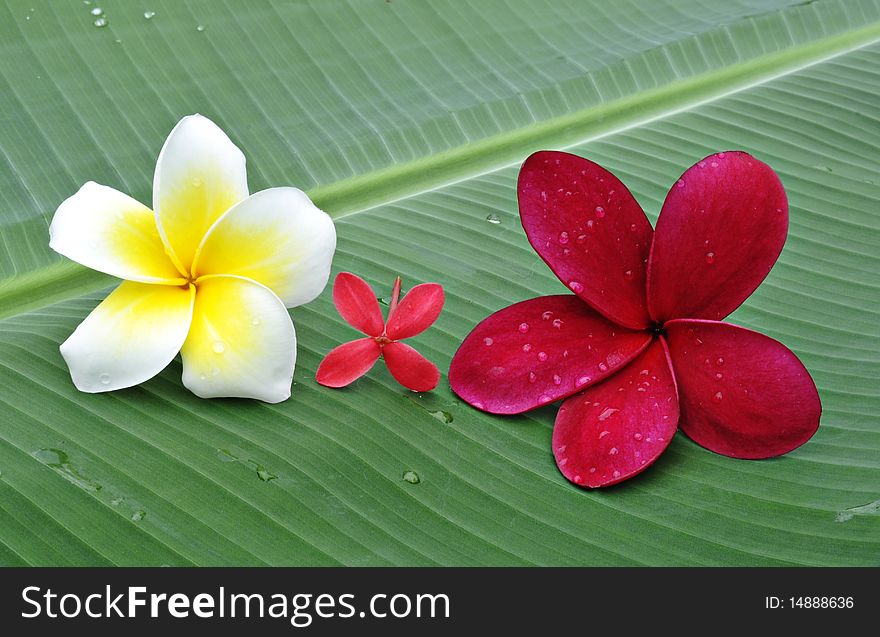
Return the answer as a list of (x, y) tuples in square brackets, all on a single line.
[(640, 346), (413, 315)]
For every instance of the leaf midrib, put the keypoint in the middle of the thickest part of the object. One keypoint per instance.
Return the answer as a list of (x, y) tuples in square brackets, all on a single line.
[(59, 281)]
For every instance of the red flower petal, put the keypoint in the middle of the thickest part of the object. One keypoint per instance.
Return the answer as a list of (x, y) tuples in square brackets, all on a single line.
[(357, 303), (409, 368), (613, 431), (742, 393), (415, 313), (538, 351), (590, 230), (348, 362), (720, 231)]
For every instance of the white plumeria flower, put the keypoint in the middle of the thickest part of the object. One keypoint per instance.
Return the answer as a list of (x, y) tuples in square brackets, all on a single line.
[(208, 273)]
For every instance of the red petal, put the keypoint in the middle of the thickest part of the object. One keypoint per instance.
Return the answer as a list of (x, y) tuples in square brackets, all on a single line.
[(538, 351), (409, 368), (613, 431), (348, 362), (416, 312), (720, 231), (742, 393), (357, 303), (590, 230)]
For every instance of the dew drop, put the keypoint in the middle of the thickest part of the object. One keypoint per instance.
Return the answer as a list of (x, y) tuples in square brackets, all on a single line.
[(576, 286), (612, 451), (603, 367), (721, 155), (719, 376), (581, 238), (196, 182), (628, 275), (487, 341), (710, 258), (563, 461), (105, 379), (566, 252), (556, 379), (542, 356), (149, 15), (616, 473), (532, 377), (200, 28), (557, 323), (547, 316), (607, 413), (633, 227), (100, 22), (590, 224), (523, 328), (563, 237), (138, 515), (493, 218), (255, 322), (637, 436), (97, 12), (218, 347), (717, 397), (544, 399), (543, 195), (641, 390), (592, 469), (714, 164), (527, 347), (497, 371), (583, 380), (411, 476), (203, 376), (680, 183), (600, 212), (602, 434), (719, 361)]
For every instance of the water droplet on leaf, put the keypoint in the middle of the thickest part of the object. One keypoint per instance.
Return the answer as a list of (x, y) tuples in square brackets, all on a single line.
[(138, 515), (493, 218), (97, 11), (101, 22), (149, 14), (218, 347)]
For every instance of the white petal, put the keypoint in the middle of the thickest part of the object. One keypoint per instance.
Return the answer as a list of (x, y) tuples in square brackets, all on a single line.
[(107, 230), (277, 237), (200, 174), (241, 343), (130, 337)]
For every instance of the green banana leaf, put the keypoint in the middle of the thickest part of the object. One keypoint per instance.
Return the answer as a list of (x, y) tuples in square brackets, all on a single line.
[(406, 121)]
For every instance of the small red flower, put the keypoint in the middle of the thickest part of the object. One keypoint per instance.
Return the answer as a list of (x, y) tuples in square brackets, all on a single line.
[(358, 306), (640, 346)]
